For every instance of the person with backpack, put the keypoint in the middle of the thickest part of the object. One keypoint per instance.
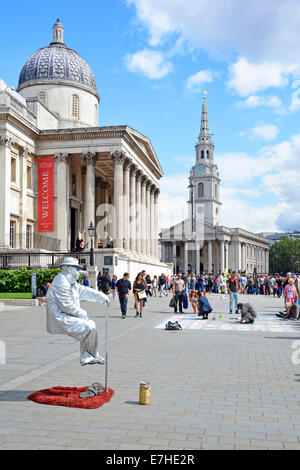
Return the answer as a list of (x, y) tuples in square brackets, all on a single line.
[(234, 288), (162, 285), (178, 292), (105, 282)]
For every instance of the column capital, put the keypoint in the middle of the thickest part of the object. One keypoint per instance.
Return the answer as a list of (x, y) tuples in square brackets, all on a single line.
[(127, 164), (6, 142), (152, 189), (62, 157), (91, 158), (133, 170), (156, 192), (25, 152), (139, 175), (118, 157), (144, 181)]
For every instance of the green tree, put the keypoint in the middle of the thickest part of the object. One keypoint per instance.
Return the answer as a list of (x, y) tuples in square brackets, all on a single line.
[(285, 256)]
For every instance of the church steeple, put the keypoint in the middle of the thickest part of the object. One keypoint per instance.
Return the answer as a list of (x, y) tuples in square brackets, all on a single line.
[(204, 135), (205, 146), (204, 175)]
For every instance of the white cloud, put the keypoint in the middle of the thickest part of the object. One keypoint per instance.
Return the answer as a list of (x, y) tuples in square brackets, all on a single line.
[(195, 82), (265, 131), (152, 64), (254, 101), (256, 29), (247, 78)]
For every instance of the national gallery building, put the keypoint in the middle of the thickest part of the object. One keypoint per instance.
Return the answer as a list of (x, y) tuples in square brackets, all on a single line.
[(60, 172)]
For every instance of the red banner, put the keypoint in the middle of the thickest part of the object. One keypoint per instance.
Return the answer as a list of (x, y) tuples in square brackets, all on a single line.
[(45, 194)]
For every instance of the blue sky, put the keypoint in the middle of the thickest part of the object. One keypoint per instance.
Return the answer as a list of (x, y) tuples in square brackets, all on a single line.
[(153, 58)]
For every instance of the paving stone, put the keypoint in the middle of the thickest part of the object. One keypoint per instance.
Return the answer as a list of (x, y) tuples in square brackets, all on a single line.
[(242, 396)]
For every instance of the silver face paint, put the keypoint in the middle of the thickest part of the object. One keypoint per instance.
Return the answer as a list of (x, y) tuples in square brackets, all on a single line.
[(65, 316)]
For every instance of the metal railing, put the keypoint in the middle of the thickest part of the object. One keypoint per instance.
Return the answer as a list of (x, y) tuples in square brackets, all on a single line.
[(31, 260)]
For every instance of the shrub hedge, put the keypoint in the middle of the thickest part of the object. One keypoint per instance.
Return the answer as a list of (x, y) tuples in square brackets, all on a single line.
[(19, 280)]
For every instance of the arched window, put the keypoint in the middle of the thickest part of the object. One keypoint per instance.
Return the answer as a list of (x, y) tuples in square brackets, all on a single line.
[(207, 153), (75, 107), (96, 114), (200, 190), (202, 153), (216, 191), (42, 97)]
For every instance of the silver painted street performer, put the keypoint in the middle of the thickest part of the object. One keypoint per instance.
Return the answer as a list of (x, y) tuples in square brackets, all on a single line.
[(64, 314)]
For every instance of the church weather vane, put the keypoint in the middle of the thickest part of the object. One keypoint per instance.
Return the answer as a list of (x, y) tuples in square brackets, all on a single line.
[(204, 94)]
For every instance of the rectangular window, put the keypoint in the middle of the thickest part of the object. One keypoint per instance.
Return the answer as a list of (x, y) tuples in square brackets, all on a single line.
[(28, 236), (29, 177), (12, 234), (13, 177)]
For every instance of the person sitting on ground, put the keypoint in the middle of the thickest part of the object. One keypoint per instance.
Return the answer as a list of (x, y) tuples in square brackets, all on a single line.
[(194, 299), (292, 312), (204, 306), (248, 313)]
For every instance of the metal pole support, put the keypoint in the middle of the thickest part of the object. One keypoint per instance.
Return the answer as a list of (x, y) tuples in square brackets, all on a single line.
[(106, 346)]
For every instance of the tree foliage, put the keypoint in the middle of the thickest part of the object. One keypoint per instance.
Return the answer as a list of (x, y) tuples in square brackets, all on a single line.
[(285, 256)]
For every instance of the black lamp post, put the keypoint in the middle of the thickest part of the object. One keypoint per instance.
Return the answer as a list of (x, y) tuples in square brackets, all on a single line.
[(91, 231)]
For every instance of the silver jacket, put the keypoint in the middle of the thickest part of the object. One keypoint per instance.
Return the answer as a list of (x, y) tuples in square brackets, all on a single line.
[(63, 300)]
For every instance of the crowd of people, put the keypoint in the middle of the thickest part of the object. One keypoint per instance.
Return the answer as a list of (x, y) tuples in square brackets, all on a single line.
[(192, 289)]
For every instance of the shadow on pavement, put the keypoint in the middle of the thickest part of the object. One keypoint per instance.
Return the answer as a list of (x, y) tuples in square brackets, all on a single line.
[(132, 403), (15, 395), (292, 337)]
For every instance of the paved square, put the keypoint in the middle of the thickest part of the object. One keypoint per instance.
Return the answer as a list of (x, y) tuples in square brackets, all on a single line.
[(221, 386)]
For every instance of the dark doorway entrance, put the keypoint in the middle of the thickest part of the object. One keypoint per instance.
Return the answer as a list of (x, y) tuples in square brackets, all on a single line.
[(73, 228)]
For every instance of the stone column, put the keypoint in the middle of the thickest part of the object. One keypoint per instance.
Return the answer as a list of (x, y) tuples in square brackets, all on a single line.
[(148, 216), (186, 257), (152, 223), (138, 212), (132, 225), (62, 200), (222, 256), (126, 204), (89, 194), (198, 260), (23, 198), (5, 177), (155, 241), (226, 257), (267, 261), (209, 256), (144, 220), (118, 158)]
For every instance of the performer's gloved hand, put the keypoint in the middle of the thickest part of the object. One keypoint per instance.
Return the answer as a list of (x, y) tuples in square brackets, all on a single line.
[(107, 300)]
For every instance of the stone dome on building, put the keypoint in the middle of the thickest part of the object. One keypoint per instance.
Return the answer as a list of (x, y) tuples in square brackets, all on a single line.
[(57, 62), (61, 80)]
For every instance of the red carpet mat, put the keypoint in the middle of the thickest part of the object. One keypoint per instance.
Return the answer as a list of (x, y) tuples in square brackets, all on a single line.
[(69, 396)]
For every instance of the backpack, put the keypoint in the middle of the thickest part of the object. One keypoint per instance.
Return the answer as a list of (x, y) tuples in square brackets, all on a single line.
[(173, 326)]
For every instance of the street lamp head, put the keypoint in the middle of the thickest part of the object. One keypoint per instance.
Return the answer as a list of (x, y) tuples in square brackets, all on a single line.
[(91, 230), (191, 186)]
